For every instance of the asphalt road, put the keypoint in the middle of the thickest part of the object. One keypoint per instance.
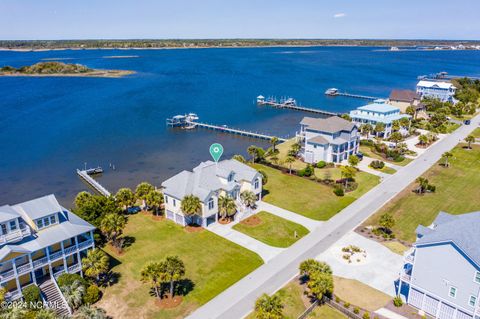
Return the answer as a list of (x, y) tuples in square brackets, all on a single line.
[(239, 299)]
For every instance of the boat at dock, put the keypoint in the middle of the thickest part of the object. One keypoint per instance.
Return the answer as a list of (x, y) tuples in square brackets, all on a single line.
[(331, 92), (184, 120), (94, 171)]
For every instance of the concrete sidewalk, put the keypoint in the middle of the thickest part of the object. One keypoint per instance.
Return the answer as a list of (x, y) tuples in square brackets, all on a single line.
[(263, 250), (308, 223)]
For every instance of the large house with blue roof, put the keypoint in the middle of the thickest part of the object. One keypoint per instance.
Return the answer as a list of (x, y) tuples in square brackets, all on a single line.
[(441, 274), (378, 112)]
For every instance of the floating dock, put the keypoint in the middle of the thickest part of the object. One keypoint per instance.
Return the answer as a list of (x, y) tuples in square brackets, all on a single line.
[(291, 104), (93, 183), (189, 122), (336, 92)]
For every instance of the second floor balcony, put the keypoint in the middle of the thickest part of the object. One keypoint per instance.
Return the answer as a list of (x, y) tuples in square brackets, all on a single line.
[(15, 235)]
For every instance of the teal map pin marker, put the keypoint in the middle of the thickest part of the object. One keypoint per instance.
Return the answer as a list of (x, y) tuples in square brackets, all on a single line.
[(216, 150)]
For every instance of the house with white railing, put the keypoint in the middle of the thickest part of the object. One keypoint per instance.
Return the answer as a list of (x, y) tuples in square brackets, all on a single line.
[(443, 91), (208, 181), (39, 240), (441, 273)]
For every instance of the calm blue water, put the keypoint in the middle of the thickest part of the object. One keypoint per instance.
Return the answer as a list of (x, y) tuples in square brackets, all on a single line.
[(51, 126)]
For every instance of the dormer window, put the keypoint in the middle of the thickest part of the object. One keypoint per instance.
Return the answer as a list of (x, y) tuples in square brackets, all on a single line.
[(13, 225), (46, 221), (230, 177), (257, 183), (211, 204)]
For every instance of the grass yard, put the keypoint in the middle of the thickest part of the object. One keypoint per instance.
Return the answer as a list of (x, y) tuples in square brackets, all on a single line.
[(366, 150), (272, 230), (212, 264), (359, 294), (386, 170), (326, 312), (476, 133), (396, 247), (309, 198), (458, 191)]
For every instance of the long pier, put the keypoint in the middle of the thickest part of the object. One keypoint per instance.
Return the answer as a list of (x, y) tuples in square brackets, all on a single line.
[(225, 129), (93, 183), (357, 96), (294, 106)]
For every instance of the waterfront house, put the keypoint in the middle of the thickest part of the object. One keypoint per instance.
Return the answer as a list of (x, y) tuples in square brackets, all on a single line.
[(40, 240), (405, 98), (443, 91), (441, 274), (378, 112), (330, 139), (208, 181)]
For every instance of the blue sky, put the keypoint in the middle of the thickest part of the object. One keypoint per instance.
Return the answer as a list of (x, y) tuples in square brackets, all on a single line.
[(82, 19)]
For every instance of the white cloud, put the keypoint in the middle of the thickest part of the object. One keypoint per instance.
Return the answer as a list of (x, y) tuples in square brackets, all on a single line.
[(339, 15)]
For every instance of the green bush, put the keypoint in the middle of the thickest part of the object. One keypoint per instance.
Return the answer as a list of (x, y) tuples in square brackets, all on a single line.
[(346, 305), (397, 301), (338, 191), (301, 173), (321, 164), (68, 279), (309, 170), (431, 188), (31, 294), (366, 315), (337, 299), (356, 310), (92, 295), (377, 164)]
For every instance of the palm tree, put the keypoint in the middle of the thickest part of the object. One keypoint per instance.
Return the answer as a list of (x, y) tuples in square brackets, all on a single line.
[(191, 205), (253, 152), (470, 139), (226, 207), (396, 137), (423, 139), (152, 273), (367, 128), (239, 158), (14, 313), (411, 111), (142, 191), (74, 294), (154, 199), (446, 156), (379, 128), (112, 226), (274, 158), (248, 198), (267, 307), (95, 264), (125, 197), (82, 198), (395, 125), (348, 172), (290, 160), (173, 270), (295, 148), (46, 314), (422, 184), (89, 312), (274, 141)]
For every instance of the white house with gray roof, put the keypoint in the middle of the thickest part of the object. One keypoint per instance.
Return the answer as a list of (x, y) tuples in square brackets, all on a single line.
[(208, 181), (441, 274), (441, 90), (330, 139), (39, 240)]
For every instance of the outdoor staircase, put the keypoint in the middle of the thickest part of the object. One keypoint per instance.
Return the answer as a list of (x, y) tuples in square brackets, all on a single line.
[(54, 298)]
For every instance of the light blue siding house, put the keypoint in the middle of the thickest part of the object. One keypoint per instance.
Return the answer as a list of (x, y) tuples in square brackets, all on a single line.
[(441, 274)]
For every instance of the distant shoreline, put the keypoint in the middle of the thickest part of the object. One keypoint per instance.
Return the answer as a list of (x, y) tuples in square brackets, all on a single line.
[(93, 74)]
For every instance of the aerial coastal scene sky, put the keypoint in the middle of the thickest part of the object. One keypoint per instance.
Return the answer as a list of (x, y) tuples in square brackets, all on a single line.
[(121, 19)]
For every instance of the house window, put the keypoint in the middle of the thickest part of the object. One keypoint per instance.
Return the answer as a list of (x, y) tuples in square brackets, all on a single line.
[(166, 199), (46, 221), (39, 223), (477, 277), (453, 292), (174, 203), (13, 225), (257, 183), (230, 177), (211, 204), (472, 301), (4, 229), (52, 219)]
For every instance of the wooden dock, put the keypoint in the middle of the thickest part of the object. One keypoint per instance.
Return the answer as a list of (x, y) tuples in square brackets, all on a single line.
[(93, 183), (295, 107), (225, 129), (357, 96)]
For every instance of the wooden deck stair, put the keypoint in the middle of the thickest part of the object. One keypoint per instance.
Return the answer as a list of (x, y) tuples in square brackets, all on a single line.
[(53, 297)]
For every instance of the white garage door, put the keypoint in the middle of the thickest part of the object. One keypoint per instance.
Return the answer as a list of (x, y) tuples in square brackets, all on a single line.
[(415, 298), (446, 312), (309, 157), (431, 305)]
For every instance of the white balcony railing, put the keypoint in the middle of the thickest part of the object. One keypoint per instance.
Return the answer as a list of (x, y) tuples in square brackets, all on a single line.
[(85, 244), (23, 269), (15, 235), (13, 295), (409, 256), (74, 268), (4, 276), (56, 255), (70, 250), (40, 262)]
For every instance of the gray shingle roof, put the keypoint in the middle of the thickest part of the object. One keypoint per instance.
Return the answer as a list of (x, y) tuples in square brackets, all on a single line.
[(205, 179), (319, 140), (331, 124), (7, 213), (39, 207), (462, 230)]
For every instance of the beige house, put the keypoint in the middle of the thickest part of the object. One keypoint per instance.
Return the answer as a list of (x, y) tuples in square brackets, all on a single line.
[(403, 99), (208, 181)]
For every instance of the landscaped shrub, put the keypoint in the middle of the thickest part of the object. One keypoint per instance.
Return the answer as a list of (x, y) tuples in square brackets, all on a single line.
[(367, 142), (377, 164), (431, 188), (321, 164), (92, 295), (68, 279), (301, 173), (356, 310), (338, 191), (346, 305), (337, 299), (366, 315), (397, 301), (31, 294), (309, 170)]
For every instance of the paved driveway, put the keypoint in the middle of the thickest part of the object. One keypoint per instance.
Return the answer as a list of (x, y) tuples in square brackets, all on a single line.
[(379, 270), (308, 223), (263, 250)]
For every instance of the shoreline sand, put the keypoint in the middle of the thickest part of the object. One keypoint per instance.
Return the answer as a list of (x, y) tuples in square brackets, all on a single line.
[(93, 74)]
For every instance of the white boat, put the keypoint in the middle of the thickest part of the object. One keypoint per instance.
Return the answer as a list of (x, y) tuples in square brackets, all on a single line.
[(331, 91), (394, 49)]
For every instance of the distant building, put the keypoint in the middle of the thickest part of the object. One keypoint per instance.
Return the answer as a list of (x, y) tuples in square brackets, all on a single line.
[(405, 98), (39, 240), (330, 139), (443, 91), (378, 112), (208, 181), (441, 274)]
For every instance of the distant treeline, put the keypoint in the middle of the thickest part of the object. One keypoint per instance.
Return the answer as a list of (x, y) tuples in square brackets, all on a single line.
[(47, 68), (206, 43)]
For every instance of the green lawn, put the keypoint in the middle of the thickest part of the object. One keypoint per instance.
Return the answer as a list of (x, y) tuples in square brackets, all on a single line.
[(309, 198), (273, 230), (326, 312), (366, 150), (476, 133), (458, 191), (359, 294), (385, 169), (212, 264)]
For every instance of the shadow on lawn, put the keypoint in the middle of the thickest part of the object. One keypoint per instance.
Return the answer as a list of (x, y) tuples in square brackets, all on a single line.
[(182, 288)]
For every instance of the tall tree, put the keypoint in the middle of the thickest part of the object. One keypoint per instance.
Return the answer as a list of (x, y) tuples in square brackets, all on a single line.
[(172, 271), (310, 266), (151, 273), (274, 141), (226, 207), (142, 191), (253, 152), (396, 137), (387, 222), (191, 205), (90, 312), (125, 197), (320, 284), (248, 198), (267, 307), (379, 128), (289, 160), (74, 294), (353, 160), (95, 263), (154, 199), (422, 184), (470, 139), (348, 173), (112, 227), (446, 157)]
